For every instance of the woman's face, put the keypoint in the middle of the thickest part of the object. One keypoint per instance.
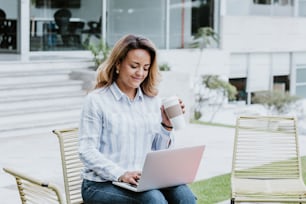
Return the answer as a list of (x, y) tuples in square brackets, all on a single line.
[(133, 69)]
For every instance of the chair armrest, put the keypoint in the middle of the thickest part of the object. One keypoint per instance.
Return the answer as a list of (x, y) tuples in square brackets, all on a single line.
[(38, 189)]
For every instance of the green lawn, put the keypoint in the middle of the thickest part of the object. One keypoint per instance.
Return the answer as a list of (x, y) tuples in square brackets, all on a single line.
[(211, 124), (217, 189)]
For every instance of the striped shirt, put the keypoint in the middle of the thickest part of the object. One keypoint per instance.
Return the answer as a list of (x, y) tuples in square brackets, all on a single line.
[(116, 133)]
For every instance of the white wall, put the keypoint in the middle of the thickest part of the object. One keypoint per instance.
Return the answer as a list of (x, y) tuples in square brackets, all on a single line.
[(212, 61), (263, 34), (259, 73), (242, 9), (277, 63), (249, 8)]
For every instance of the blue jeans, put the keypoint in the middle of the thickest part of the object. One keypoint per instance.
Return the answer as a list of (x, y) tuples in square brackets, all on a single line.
[(106, 192)]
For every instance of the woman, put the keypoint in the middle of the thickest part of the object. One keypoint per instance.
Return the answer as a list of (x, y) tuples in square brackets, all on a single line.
[(122, 120)]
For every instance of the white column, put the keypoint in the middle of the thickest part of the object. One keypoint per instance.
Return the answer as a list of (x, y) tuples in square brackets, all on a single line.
[(292, 74), (247, 80), (222, 7), (271, 77), (167, 24), (104, 16), (295, 8), (24, 28)]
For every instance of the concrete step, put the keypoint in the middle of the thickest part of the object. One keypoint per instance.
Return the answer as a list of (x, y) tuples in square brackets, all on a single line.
[(22, 124), (44, 65), (40, 105), (13, 78), (39, 96), (40, 128), (40, 88)]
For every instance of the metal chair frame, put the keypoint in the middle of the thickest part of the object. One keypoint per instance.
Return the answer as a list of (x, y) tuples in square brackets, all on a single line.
[(266, 164), (33, 191)]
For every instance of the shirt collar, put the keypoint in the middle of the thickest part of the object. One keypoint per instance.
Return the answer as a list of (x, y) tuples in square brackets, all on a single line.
[(119, 94)]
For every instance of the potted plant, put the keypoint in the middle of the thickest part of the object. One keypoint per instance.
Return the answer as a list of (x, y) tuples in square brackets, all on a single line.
[(164, 67), (99, 52), (213, 92)]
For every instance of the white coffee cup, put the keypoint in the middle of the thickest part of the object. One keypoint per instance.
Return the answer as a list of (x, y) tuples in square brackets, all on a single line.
[(174, 112)]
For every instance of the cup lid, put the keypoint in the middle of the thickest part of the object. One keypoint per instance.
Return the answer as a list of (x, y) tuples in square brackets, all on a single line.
[(170, 98)]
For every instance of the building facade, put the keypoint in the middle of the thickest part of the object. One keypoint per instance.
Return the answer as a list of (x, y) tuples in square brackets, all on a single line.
[(262, 43)]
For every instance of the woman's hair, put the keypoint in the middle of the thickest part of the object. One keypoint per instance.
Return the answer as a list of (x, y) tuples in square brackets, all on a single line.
[(106, 73)]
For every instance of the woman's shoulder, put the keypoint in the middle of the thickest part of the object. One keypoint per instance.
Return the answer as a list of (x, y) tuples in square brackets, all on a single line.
[(99, 91), (96, 93)]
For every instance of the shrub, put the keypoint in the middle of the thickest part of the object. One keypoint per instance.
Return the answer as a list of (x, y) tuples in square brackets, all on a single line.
[(164, 67), (99, 51), (214, 82), (212, 92), (276, 101)]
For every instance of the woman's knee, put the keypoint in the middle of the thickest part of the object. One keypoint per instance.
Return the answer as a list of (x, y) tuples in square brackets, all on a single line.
[(180, 194), (152, 197)]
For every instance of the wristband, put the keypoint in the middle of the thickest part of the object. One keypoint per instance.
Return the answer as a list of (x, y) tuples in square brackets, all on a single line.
[(166, 126)]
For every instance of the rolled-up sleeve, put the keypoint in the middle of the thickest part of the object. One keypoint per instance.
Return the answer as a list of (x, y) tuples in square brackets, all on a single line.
[(163, 139)]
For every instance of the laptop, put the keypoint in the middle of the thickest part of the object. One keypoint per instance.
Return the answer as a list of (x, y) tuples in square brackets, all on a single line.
[(166, 168)]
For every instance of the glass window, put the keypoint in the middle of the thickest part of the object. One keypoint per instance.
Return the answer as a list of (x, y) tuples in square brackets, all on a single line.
[(301, 76), (280, 2), (301, 82), (142, 17), (179, 24), (8, 26), (64, 24), (301, 91), (262, 1), (302, 8), (186, 17)]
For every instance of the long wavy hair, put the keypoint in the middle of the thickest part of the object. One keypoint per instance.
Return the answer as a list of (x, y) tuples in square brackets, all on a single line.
[(106, 72)]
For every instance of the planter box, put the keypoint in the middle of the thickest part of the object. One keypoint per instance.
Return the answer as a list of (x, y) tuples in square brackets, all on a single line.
[(88, 76)]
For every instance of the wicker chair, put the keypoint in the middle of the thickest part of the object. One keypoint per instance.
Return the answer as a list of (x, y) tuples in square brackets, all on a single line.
[(266, 162), (34, 191)]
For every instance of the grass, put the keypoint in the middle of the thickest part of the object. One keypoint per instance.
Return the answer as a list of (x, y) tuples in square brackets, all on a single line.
[(211, 124), (212, 190), (304, 168), (217, 189)]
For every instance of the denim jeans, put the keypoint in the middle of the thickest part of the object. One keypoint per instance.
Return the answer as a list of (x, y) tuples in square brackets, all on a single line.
[(106, 192)]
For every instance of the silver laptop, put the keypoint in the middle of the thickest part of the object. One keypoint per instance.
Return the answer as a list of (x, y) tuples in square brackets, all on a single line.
[(166, 168)]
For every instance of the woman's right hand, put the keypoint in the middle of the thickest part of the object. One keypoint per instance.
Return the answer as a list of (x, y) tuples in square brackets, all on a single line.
[(131, 177)]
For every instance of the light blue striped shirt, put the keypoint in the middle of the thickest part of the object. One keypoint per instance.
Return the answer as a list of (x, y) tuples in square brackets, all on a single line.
[(116, 133)]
